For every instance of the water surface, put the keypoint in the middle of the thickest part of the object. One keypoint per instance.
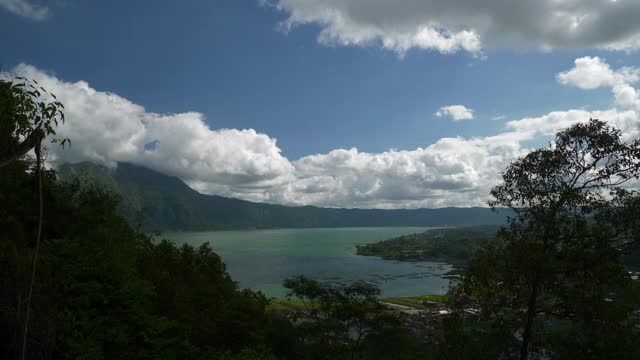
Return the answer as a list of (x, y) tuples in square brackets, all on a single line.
[(261, 259)]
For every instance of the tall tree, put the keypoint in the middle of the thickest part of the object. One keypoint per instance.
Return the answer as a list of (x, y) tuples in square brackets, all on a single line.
[(559, 256), (26, 118)]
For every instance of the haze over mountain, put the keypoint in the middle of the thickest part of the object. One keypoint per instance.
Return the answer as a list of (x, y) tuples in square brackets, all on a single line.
[(169, 204)]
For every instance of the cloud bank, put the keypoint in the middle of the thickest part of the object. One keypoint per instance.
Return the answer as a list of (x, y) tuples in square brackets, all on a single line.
[(105, 128), (448, 26), (454, 171)]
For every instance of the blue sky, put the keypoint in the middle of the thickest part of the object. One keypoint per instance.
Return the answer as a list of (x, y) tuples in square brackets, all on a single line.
[(236, 65)]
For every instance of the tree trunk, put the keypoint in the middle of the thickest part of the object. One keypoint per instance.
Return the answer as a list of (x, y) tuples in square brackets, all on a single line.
[(38, 148), (531, 314)]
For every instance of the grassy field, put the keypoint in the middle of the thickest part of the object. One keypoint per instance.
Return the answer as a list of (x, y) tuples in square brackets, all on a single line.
[(285, 304), (416, 302)]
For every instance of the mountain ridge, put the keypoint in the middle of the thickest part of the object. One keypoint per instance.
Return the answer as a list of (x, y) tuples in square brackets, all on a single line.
[(171, 205)]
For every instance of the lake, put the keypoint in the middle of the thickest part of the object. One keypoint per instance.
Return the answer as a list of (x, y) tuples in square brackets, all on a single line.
[(261, 259)]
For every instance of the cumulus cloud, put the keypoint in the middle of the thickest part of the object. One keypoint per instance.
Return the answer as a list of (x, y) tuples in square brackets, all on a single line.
[(626, 120), (450, 172), (26, 8), (590, 73), (456, 112), (593, 72), (105, 128), (448, 26), (454, 171)]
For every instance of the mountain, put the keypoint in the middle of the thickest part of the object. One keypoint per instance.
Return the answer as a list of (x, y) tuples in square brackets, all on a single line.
[(169, 204)]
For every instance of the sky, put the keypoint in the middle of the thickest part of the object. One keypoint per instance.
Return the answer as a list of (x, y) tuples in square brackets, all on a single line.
[(340, 103)]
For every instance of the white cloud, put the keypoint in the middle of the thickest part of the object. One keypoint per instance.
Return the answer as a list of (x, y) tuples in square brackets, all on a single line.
[(26, 8), (452, 25), (457, 112), (453, 171), (106, 128), (593, 72), (589, 73), (626, 120)]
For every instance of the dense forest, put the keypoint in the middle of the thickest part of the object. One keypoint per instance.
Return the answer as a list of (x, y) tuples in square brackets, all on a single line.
[(106, 290), (80, 280), (169, 204)]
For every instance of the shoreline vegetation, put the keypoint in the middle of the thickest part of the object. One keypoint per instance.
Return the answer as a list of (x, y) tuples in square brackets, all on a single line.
[(451, 245)]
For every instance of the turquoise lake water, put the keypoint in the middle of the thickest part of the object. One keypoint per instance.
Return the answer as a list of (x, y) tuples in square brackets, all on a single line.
[(261, 259)]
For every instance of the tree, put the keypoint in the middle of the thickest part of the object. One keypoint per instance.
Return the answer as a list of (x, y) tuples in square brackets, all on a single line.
[(342, 315), (26, 118), (559, 257), (104, 289)]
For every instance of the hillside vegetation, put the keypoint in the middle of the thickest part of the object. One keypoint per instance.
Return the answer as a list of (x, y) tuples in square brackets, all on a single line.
[(454, 245), (169, 204)]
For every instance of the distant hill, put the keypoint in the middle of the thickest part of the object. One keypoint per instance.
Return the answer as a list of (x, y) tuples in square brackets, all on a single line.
[(169, 204), (453, 245)]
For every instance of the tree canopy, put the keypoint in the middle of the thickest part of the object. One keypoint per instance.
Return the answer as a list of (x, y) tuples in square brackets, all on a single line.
[(560, 256)]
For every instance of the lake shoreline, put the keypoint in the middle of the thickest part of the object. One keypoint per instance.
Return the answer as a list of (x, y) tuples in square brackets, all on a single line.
[(261, 259)]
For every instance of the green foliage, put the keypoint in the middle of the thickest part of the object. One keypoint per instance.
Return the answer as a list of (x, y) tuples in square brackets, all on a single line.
[(560, 257), (248, 354), (29, 108), (338, 316), (107, 291), (391, 341), (208, 311), (347, 321), (27, 116), (454, 245)]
